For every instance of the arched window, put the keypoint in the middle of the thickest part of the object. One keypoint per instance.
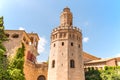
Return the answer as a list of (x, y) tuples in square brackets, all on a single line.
[(41, 77), (53, 63), (72, 64)]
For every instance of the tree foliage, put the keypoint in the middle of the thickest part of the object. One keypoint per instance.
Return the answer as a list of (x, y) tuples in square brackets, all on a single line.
[(3, 65), (3, 60), (12, 70), (2, 33), (16, 65), (109, 73), (92, 74)]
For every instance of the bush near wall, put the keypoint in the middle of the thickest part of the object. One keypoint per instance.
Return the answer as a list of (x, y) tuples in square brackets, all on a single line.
[(109, 73)]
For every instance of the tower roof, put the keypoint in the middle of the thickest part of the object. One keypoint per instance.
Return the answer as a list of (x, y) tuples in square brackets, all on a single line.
[(66, 17), (66, 9)]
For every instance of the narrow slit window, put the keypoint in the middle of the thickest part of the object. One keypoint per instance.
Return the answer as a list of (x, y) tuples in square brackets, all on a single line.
[(72, 64), (53, 63), (79, 46), (62, 43), (54, 45), (71, 43)]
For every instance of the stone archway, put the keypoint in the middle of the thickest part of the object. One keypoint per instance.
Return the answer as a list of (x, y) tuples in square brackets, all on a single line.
[(41, 77)]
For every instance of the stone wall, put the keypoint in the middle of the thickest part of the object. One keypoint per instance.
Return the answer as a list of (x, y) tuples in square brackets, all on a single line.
[(33, 71)]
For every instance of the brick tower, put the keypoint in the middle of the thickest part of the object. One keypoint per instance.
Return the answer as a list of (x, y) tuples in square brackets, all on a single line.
[(65, 60)]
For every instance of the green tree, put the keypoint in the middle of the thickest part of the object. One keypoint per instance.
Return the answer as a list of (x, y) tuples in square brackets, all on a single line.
[(16, 65), (3, 60), (111, 73), (2, 33), (14, 69), (3, 67), (92, 75)]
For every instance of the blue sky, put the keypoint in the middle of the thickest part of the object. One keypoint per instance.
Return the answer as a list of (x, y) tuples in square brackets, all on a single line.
[(98, 19)]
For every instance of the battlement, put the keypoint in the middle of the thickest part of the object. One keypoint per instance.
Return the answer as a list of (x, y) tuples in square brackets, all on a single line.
[(65, 32), (67, 28)]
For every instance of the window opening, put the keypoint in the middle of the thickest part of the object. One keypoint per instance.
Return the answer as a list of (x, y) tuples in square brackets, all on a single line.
[(79, 46), (15, 35), (54, 45), (53, 63), (72, 64), (62, 43), (71, 43)]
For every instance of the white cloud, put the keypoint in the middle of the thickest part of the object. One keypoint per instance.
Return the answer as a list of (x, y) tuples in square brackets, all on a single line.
[(21, 28), (41, 45), (85, 39), (117, 55)]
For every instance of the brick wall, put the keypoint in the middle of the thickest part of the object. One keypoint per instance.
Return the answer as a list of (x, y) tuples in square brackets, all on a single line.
[(32, 71)]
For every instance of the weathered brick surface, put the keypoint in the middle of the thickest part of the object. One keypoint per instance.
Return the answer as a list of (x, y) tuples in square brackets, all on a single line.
[(33, 71)]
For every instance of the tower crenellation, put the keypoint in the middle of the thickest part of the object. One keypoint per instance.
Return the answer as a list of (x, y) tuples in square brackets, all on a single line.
[(63, 35)]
